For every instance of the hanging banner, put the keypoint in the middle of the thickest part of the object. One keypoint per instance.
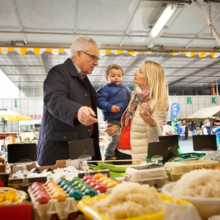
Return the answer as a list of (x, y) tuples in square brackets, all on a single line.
[(174, 111)]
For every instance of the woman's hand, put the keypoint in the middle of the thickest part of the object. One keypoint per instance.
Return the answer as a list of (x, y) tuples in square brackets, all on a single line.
[(149, 119), (111, 130)]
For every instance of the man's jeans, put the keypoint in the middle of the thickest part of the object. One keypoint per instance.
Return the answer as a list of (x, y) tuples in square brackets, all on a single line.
[(110, 150), (193, 132)]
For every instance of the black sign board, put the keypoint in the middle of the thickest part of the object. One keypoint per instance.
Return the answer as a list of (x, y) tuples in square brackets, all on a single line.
[(21, 153), (81, 147), (204, 142), (157, 148), (173, 140)]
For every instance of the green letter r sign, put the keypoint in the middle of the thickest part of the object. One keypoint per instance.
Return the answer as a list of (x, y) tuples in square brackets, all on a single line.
[(189, 100)]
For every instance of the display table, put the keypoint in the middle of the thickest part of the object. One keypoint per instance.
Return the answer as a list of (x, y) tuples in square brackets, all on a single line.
[(11, 136)]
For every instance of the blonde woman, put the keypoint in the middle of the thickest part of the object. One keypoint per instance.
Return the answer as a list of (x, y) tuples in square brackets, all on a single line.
[(143, 120)]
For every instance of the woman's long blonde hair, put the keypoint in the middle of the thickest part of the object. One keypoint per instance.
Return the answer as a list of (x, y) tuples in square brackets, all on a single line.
[(155, 76)]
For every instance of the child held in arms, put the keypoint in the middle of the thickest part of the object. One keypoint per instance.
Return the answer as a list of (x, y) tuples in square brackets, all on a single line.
[(113, 99)]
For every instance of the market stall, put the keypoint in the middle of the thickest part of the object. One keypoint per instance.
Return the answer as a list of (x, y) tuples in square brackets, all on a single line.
[(210, 112), (12, 116), (37, 35), (62, 190)]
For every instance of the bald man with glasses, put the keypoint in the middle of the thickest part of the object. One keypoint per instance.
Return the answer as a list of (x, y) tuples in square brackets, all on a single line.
[(70, 104)]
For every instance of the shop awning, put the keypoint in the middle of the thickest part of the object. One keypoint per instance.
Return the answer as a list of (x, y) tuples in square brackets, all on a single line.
[(14, 116), (56, 51), (211, 112)]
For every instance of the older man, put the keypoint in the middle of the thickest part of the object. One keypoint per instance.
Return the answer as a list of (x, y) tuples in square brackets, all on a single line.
[(70, 106)]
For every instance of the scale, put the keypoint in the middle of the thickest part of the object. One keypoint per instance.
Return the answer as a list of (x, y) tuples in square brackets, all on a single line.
[(151, 174)]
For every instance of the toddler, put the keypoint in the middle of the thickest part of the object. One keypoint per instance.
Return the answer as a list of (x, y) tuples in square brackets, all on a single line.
[(113, 99)]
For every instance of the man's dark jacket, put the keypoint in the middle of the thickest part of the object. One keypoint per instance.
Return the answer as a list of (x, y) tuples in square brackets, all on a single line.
[(64, 93)]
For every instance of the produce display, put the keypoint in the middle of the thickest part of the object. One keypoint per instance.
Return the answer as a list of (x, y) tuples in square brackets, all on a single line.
[(188, 157), (134, 197), (176, 170), (213, 155), (199, 183), (115, 171), (126, 201), (153, 175), (9, 197), (76, 188)]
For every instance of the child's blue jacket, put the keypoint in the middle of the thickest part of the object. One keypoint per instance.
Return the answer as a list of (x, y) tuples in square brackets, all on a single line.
[(113, 94)]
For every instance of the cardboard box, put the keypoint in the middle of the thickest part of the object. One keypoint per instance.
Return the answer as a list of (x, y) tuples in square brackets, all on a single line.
[(2, 161), (175, 170), (59, 164), (16, 182), (2, 168)]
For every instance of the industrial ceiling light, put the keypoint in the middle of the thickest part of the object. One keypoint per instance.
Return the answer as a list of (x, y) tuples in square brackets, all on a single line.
[(165, 16)]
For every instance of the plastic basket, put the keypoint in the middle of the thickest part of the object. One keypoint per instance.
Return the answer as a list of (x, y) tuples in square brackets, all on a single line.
[(20, 193), (206, 207)]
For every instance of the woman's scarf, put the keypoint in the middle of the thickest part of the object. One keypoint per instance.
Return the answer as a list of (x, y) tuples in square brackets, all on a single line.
[(140, 97)]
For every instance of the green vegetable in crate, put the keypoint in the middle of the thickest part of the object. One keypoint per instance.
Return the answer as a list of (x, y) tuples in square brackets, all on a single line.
[(112, 168), (189, 157), (114, 175)]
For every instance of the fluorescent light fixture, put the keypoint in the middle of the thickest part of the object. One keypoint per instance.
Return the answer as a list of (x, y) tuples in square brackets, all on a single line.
[(165, 16)]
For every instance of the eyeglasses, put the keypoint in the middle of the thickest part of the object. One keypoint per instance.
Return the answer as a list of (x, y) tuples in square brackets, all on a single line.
[(94, 58)]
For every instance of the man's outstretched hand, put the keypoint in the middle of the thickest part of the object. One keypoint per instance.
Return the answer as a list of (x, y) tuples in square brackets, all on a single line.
[(86, 116)]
